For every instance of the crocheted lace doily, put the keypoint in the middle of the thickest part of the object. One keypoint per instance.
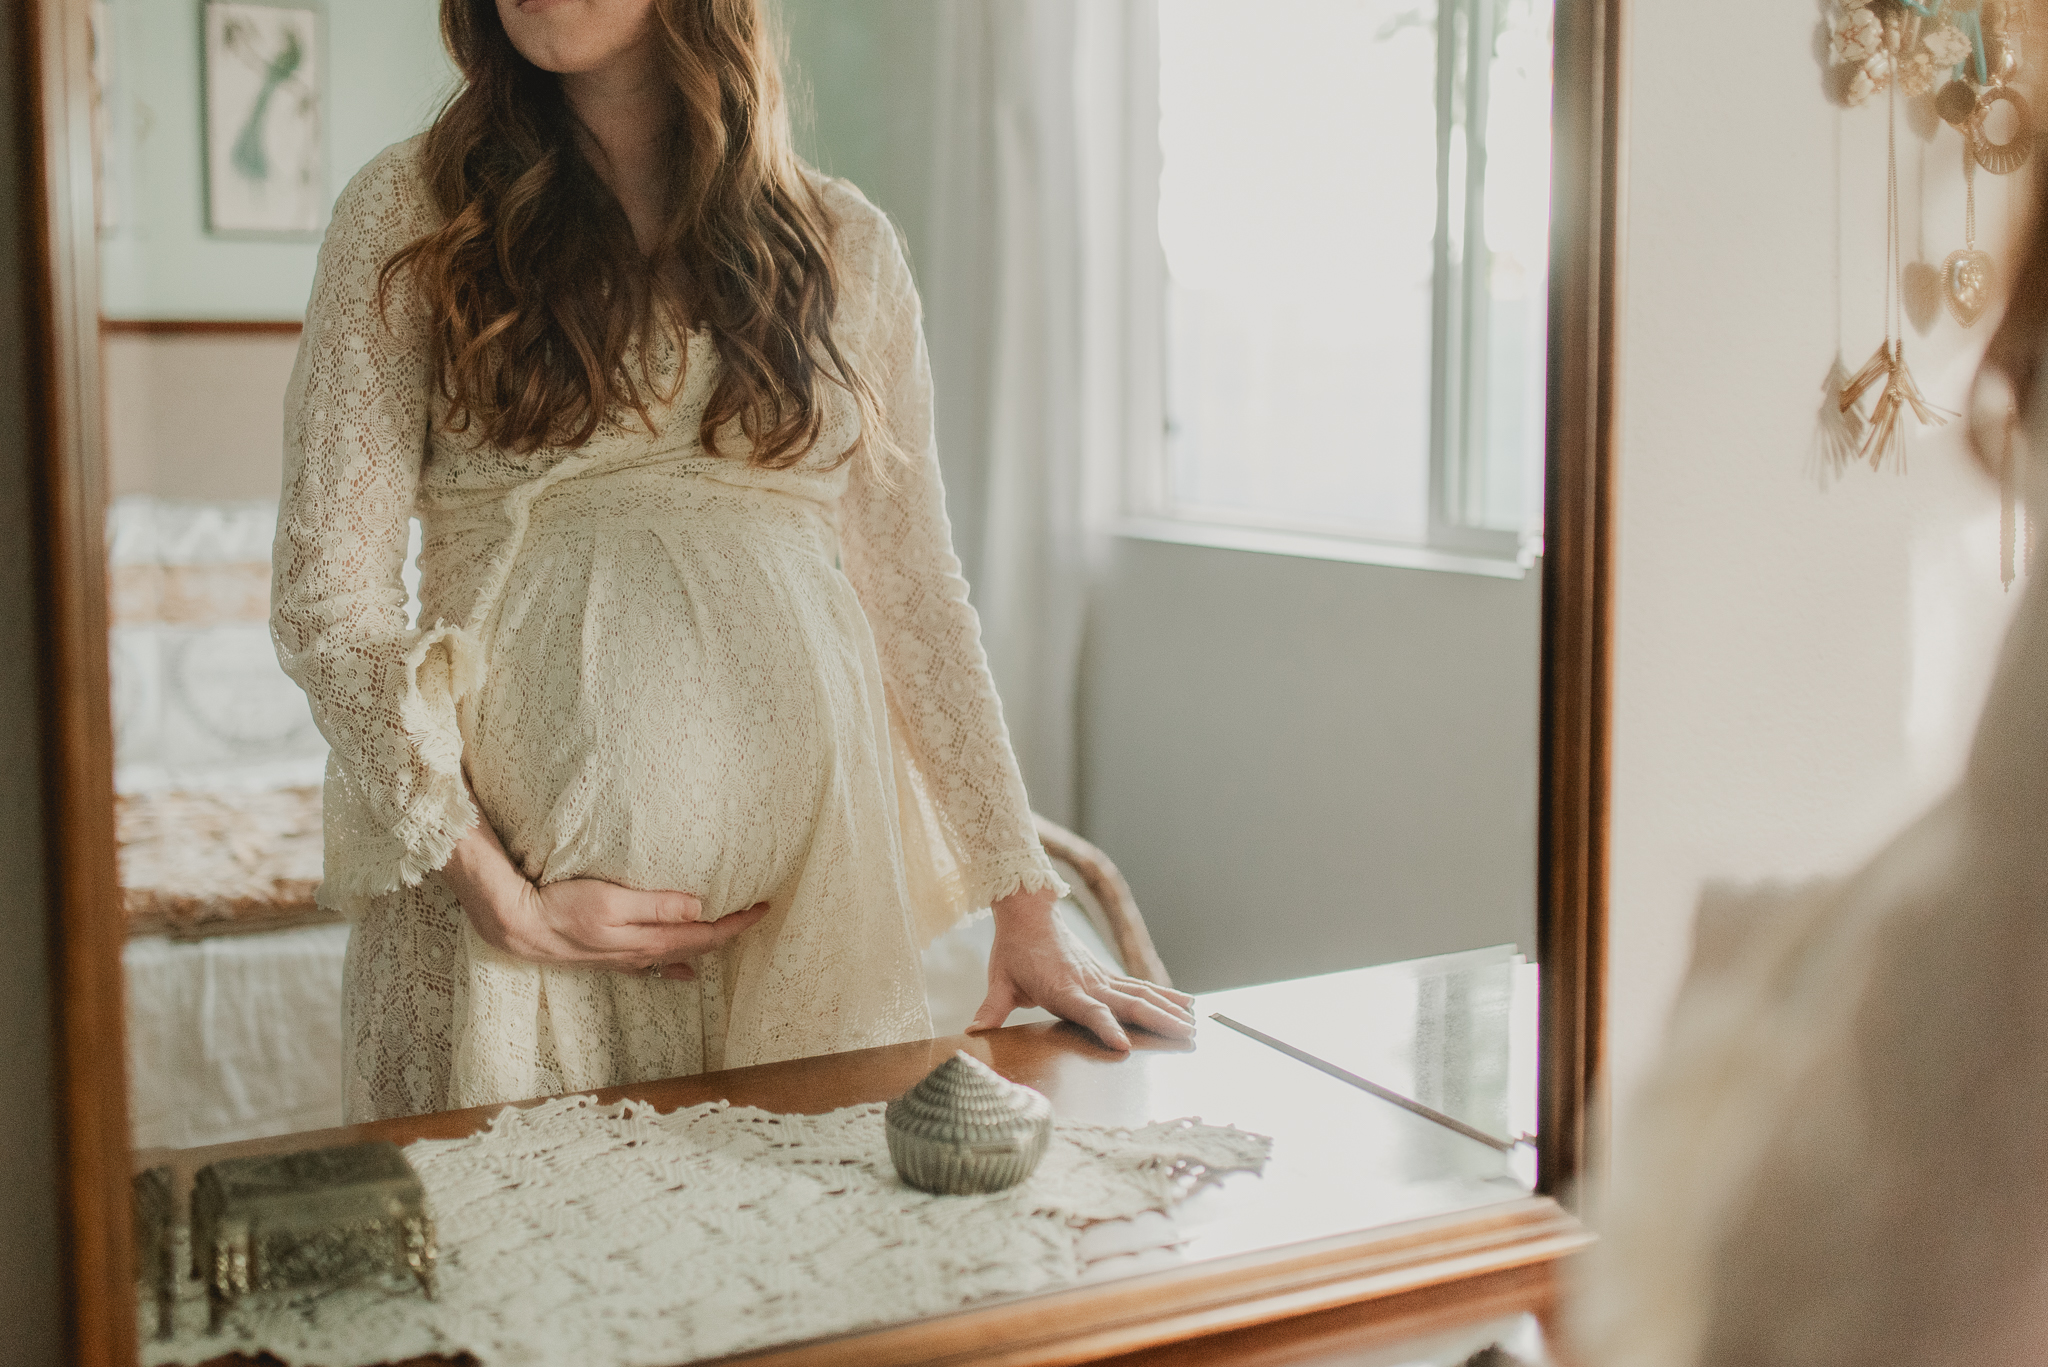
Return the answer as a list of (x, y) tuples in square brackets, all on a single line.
[(614, 1236)]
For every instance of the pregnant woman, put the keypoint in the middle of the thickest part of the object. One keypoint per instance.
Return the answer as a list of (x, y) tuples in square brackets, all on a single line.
[(693, 744)]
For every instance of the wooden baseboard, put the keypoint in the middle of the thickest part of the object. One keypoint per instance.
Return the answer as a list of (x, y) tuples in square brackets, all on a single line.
[(201, 327)]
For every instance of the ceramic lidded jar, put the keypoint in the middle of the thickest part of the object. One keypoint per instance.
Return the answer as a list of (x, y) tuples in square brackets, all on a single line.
[(965, 1129)]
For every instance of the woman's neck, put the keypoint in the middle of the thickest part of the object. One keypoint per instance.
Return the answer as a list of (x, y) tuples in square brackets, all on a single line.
[(624, 107)]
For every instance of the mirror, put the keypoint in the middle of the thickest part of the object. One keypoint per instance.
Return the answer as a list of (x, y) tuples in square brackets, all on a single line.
[(1242, 447)]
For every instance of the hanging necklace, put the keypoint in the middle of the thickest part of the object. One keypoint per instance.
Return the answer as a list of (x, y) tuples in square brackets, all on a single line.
[(1839, 433), (1886, 438), (1967, 277)]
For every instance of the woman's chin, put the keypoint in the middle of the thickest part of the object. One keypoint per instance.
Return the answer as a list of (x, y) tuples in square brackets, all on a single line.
[(573, 37)]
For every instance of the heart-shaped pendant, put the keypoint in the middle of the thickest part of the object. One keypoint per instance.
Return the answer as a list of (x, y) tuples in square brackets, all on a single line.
[(1967, 278)]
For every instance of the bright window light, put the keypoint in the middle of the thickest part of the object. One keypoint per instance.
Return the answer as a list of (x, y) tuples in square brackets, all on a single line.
[(1335, 361)]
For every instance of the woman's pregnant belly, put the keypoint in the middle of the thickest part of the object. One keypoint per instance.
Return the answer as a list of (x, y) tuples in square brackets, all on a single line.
[(666, 706)]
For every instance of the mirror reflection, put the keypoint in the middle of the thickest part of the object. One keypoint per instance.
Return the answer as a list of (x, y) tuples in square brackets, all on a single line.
[(544, 650)]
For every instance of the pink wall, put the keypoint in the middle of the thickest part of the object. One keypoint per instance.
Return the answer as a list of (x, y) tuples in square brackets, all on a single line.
[(196, 416)]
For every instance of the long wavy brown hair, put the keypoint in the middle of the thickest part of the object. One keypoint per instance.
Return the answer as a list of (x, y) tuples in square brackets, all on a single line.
[(537, 292)]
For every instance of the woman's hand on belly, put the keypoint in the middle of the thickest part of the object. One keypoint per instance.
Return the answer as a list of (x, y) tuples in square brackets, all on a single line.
[(594, 924), (1036, 961), (582, 922)]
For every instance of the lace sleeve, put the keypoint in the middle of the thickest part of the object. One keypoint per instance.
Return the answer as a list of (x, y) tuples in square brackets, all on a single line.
[(355, 430), (897, 549)]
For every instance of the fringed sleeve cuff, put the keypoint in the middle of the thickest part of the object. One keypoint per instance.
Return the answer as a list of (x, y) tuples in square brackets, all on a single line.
[(369, 856), (1019, 871)]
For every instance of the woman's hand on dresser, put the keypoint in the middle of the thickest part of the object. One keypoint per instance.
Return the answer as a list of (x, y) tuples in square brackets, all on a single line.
[(585, 922), (1036, 961)]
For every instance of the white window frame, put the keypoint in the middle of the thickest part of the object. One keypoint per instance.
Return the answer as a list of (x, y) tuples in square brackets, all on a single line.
[(1144, 509)]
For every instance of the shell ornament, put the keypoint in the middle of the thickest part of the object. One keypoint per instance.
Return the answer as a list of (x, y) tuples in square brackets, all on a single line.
[(965, 1130)]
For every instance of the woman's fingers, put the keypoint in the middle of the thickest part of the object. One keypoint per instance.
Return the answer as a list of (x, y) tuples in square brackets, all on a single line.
[(1172, 994), (996, 1007), (691, 938), (674, 908), (1169, 994), (1164, 998), (1146, 1015), (711, 934), (1091, 1015), (636, 947), (1133, 1006), (593, 923), (624, 906)]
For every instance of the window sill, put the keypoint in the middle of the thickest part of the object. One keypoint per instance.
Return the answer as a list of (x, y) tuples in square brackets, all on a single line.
[(1312, 546)]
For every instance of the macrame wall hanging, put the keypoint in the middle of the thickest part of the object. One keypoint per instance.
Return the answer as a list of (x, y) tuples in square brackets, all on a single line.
[(1964, 57)]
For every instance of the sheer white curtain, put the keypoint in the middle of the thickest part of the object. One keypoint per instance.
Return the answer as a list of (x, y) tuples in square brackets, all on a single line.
[(1018, 260)]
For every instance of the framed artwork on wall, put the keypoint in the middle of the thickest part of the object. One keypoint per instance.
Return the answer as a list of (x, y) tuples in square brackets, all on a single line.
[(266, 170)]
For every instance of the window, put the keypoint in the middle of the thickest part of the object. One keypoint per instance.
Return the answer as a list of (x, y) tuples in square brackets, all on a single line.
[(1349, 272)]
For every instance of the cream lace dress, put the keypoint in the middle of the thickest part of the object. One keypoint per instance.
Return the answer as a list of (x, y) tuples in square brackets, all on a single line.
[(664, 668)]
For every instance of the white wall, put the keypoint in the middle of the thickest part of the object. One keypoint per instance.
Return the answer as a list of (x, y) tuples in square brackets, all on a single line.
[(1303, 765), (1797, 668)]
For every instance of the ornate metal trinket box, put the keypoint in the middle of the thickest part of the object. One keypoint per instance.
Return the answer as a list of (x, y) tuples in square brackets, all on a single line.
[(320, 1217), (966, 1129)]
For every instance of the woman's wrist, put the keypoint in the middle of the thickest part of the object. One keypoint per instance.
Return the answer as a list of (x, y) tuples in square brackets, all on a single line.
[(1024, 909), (487, 884)]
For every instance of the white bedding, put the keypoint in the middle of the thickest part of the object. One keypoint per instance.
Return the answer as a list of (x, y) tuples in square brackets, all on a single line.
[(234, 1037)]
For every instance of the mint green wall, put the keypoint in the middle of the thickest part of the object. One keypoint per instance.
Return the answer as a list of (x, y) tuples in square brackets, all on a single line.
[(385, 75), (860, 78), (861, 87)]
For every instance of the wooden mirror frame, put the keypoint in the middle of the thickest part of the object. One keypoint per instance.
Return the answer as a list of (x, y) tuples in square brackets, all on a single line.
[(52, 119)]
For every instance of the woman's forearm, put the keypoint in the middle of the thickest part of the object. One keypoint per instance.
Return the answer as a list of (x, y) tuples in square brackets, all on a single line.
[(485, 880), (1024, 908)]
